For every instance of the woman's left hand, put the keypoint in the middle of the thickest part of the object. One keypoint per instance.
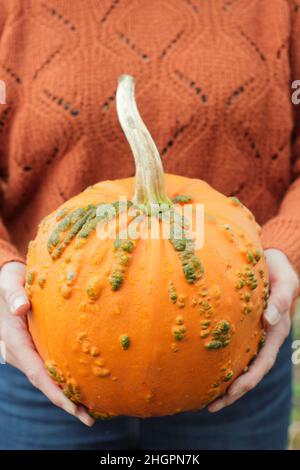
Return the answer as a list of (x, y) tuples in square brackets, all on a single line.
[(283, 284)]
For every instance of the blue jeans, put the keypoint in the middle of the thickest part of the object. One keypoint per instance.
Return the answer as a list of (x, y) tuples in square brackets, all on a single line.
[(258, 421)]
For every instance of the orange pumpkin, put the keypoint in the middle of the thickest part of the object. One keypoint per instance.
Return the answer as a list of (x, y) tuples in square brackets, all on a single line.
[(146, 327)]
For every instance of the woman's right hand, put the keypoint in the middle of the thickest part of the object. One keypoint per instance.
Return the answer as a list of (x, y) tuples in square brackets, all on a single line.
[(19, 348)]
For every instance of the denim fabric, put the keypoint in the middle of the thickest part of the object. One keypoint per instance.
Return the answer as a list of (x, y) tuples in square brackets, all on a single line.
[(257, 421)]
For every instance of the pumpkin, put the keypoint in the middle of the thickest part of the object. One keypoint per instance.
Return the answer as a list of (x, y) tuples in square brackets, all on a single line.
[(146, 326)]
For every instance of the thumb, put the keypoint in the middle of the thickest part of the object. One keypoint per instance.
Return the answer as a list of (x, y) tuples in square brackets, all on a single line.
[(280, 302), (11, 285)]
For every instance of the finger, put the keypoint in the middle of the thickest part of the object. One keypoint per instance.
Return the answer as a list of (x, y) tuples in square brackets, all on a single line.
[(11, 284), (20, 353), (264, 362), (280, 301), (34, 369), (38, 376), (280, 268)]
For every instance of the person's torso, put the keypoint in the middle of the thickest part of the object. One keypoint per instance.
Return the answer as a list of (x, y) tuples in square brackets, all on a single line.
[(212, 85)]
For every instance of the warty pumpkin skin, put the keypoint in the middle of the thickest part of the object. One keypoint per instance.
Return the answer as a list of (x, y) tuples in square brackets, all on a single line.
[(146, 327)]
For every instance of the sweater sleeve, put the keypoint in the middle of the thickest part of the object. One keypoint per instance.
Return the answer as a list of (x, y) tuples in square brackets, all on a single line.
[(7, 251), (283, 231)]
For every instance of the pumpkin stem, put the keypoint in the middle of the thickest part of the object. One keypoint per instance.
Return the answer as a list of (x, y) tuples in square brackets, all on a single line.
[(149, 173)]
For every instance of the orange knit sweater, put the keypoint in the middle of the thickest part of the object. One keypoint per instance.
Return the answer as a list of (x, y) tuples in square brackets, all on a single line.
[(213, 86)]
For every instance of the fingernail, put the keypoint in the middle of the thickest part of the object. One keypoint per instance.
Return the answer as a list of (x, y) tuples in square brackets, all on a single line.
[(216, 407), (272, 315), (85, 419), (18, 302), (70, 408)]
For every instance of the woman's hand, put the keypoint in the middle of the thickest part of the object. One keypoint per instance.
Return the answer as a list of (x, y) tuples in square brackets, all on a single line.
[(283, 283), (19, 348)]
